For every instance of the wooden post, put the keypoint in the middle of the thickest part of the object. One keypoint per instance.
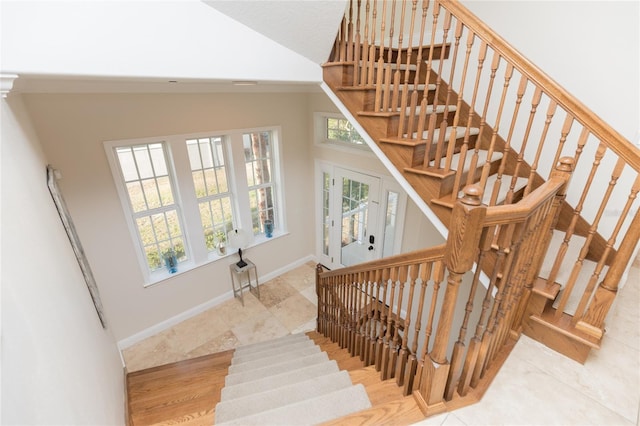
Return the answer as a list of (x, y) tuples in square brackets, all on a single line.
[(592, 322), (460, 253)]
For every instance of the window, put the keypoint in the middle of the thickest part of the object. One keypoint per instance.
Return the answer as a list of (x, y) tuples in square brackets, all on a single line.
[(341, 130), (150, 195), (211, 183), (258, 164), (182, 194), (335, 130)]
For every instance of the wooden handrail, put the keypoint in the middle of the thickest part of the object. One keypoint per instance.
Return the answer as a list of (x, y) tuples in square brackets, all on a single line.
[(430, 254), (622, 146)]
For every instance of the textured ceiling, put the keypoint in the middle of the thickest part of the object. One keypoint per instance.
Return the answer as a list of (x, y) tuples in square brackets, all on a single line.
[(307, 27)]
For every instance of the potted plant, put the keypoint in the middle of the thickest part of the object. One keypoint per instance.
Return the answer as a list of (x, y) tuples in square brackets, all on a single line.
[(221, 242), (170, 260)]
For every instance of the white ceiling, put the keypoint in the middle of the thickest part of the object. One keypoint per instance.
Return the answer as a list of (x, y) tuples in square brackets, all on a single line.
[(305, 29), (308, 27)]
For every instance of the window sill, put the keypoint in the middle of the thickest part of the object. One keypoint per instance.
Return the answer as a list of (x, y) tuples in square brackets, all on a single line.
[(163, 275)]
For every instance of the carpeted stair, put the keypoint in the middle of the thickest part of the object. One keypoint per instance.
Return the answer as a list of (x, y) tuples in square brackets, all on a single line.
[(286, 381)]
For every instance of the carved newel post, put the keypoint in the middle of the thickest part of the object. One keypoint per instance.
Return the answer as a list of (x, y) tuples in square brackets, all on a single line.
[(460, 253)]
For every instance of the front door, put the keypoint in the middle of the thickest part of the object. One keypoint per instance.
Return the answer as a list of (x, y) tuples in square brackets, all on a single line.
[(354, 217)]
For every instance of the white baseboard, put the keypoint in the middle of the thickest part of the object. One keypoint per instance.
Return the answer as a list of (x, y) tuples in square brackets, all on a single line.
[(170, 322)]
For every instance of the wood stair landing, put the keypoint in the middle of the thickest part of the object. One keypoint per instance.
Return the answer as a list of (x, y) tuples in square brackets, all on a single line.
[(389, 406), (183, 392)]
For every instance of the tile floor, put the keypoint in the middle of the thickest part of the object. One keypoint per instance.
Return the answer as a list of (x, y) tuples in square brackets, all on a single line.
[(536, 386)]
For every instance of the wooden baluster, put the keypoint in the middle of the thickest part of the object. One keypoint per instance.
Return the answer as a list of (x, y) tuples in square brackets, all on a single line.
[(353, 322), (403, 356), (343, 311), (424, 104), (350, 41), (486, 168), (512, 245), (440, 148), (373, 337), (365, 48), (384, 312), (453, 137), (603, 259), (340, 311), (410, 375), (562, 251), (507, 148), (617, 171), (393, 358), (474, 345), (483, 119), (363, 315), (388, 71), (372, 46), (385, 374), (566, 128), (320, 306), (438, 278), (535, 101), (457, 356), (460, 253), (343, 39), (592, 322), (357, 44), (503, 238), (465, 144), (357, 318), (539, 249), (414, 95), (397, 75), (534, 165), (407, 72), (381, 70), (356, 315), (366, 316)]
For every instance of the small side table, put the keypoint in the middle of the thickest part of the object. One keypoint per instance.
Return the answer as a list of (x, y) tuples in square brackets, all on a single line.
[(237, 282)]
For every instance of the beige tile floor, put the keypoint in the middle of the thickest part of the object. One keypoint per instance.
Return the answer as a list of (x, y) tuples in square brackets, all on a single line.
[(536, 386)]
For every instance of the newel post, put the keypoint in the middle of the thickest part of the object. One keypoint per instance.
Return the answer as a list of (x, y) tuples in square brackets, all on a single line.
[(592, 322), (320, 323), (460, 253)]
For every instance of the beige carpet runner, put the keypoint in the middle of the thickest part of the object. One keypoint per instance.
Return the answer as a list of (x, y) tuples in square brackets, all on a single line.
[(286, 381)]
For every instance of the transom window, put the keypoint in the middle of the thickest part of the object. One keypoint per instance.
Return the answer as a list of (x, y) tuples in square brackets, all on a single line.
[(341, 130), (335, 130), (183, 194)]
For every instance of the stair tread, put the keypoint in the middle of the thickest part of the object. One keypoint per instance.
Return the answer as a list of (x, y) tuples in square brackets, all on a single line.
[(571, 257), (292, 376), (284, 356), (564, 326), (272, 350), (393, 112), (316, 410), (486, 196), (279, 396), (253, 347), (415, 141), (273, 369)]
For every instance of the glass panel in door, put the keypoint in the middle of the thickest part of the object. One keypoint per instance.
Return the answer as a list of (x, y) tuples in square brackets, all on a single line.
[(358, 204)]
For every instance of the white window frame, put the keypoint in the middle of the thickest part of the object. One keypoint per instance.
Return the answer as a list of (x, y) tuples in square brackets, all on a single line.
[(185, 197), (320, 135)]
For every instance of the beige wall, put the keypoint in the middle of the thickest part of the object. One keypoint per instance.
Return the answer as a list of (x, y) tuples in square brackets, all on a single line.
[(72, 129), (59, 366)]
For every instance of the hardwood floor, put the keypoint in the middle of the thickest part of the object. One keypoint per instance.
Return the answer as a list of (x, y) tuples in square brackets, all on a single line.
[(187, 392)]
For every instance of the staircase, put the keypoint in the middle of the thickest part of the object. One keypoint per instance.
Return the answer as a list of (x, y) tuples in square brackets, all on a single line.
[(286, 381), (534, 188)]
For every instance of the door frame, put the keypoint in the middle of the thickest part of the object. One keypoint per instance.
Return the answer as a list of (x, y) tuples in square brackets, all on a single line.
[(387, 185)]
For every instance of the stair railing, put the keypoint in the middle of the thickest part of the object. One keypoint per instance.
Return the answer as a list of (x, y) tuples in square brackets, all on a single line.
[(393, 305), (453, 84)]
